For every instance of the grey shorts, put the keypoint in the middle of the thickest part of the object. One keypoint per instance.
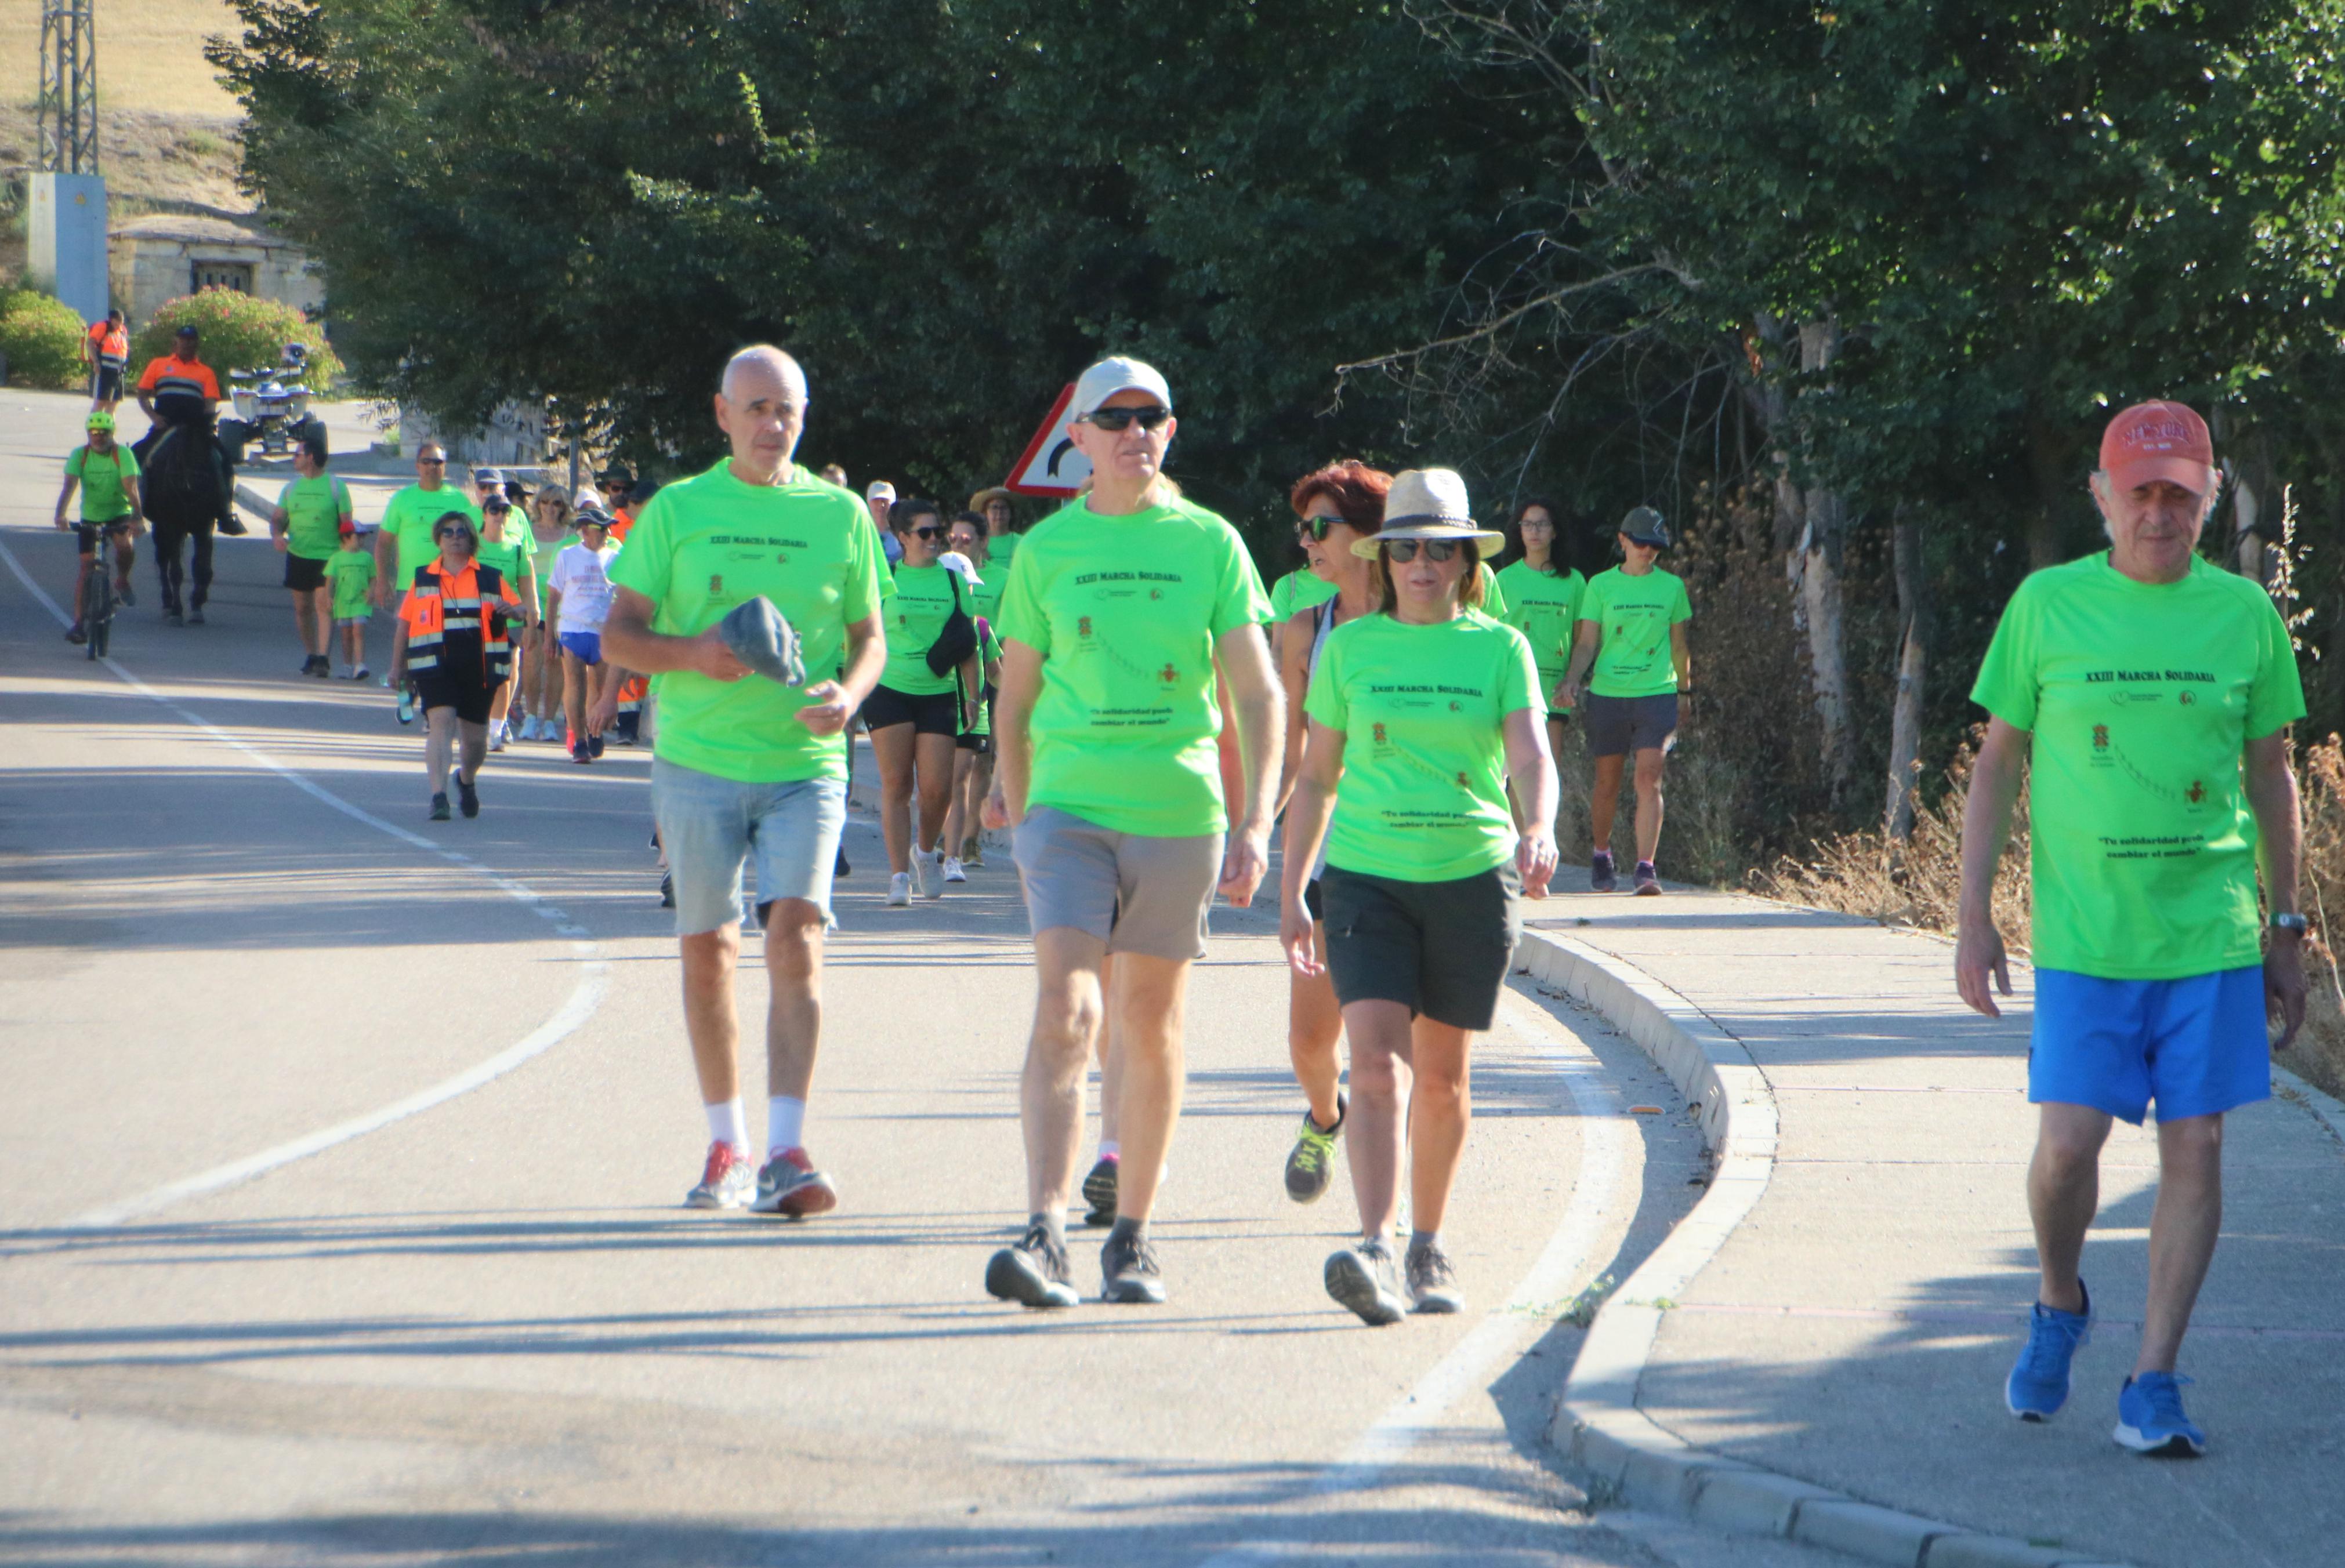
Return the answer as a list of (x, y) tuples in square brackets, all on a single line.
[(1615, 726), (708, 825), (1136, 893)]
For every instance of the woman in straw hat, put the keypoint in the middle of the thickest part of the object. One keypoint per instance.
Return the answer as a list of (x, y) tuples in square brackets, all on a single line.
[(1420, 716)]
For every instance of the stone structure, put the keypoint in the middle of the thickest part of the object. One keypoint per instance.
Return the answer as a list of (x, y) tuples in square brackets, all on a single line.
[(152, 260)]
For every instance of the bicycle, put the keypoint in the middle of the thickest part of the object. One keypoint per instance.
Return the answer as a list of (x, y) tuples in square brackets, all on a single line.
[(97, 595)]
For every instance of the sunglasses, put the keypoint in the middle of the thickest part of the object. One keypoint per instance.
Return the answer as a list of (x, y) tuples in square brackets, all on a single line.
[(1317, 527), (931, 531), (432, 463), (1112, 420), (1405, 549)]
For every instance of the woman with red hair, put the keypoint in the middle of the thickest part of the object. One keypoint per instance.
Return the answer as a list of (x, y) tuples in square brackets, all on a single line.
[(1334, 506)]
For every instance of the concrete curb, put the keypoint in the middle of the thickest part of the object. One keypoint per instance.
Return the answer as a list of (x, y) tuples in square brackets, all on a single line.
[(1624, 1455)]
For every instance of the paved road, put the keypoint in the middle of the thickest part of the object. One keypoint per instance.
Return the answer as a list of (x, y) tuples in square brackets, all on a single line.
[(1857, 1328), (485, 1331)]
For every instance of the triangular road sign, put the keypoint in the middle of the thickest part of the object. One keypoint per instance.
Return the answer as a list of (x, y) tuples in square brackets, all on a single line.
[(1051, 465)]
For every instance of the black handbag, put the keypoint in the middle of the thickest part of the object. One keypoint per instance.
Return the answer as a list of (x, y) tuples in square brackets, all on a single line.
[(957, 639)]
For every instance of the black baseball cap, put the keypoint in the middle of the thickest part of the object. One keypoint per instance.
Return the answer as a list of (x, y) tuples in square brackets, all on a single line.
[(1644, 525)]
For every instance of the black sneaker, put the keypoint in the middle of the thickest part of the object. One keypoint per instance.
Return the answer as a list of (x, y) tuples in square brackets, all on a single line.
[(439, 808), (468, 799), (1312, 1161), (1649, 881), (1363, 1280), (668, 890), (1033, 1273), (1432, 1282), (1129, 1271), (172, 617), (76, 635), (322, 667), (122, 592), (1601, 875), (595, 745), (1099, 1191), (839, 866)]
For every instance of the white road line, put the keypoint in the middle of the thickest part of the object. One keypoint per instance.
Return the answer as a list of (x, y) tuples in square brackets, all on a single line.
[(584, 997), (1607, 1143)]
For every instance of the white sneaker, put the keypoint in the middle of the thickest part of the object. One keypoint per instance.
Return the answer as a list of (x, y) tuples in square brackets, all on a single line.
[(347, 671), (535, 730), (361, 674), (953, 872), (932, 873), (900, 889), (497, 739)]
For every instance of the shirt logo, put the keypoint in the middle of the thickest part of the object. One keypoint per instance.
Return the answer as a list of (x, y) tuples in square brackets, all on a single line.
[(715, 584), (1082, 626), (1380, 734), (1171, 675), (2187, 698), (2195, 793), (2100, 737)]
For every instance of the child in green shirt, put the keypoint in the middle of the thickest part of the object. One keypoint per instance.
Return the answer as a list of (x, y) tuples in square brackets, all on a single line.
[(350, 572)]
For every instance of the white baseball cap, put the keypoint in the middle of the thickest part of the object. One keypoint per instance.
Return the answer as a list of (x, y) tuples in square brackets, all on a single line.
[(1117, 374), (880, 488)]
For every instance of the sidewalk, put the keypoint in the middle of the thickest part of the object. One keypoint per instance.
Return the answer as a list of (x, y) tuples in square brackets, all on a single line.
[(1856, 1328)]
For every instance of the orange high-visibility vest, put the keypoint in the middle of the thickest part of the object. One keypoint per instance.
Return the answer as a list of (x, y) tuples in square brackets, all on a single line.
[(440, 603)]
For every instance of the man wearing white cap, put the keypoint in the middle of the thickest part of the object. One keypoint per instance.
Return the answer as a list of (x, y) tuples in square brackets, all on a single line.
[(2153, 690), (879, 498), (1118, 613)]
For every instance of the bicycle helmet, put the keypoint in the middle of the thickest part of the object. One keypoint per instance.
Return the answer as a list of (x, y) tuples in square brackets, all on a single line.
[(99, 419)]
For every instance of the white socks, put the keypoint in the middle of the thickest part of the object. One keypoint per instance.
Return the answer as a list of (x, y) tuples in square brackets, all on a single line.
[(1108, 1149), (729, 1123), (785, 1124)]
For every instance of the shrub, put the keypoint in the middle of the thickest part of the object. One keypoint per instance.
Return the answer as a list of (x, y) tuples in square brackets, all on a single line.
[(42, 338), (2319, 1051), (240, 332)]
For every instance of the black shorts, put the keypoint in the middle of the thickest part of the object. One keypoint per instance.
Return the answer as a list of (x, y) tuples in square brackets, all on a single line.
[(1441, 950), (85, 534), (982, 744), (1312, 901), (303, 575), (935, 713), (436, 689), (1615, 726), (105, 384)]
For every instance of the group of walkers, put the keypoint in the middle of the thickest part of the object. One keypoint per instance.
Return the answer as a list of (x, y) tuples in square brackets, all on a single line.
[(1118, 688)]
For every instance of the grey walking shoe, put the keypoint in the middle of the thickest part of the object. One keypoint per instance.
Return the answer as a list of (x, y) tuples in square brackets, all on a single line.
[(1601, 877), (1432, 1282), (1312, 1161), (1034, 1273), (1130, 1272), (1364, 1280), (1099, 1191)]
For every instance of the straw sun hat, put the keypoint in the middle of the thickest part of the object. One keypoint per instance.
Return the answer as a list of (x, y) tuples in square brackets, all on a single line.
[(1426, 503)]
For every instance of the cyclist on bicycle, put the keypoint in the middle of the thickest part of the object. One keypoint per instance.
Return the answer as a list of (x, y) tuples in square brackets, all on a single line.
[(107, 476)]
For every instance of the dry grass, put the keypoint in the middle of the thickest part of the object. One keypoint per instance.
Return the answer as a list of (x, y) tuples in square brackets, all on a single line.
[(151, 55), (2320, 1052)]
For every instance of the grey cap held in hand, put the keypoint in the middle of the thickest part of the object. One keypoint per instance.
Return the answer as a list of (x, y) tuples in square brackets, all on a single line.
[(765, 641)]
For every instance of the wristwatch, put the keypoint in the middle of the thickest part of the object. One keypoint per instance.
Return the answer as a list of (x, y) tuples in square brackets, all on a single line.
[(2295, 922)]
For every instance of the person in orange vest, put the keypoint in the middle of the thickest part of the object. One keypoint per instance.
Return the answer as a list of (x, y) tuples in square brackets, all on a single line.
[(451, 641), (105, 350), (180, 376)]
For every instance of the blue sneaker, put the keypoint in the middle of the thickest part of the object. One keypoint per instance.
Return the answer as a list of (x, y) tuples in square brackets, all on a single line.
[(2150, 1419), (2038, 1384)]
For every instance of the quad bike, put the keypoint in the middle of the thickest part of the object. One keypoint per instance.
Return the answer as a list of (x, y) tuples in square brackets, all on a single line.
[(272, 406)]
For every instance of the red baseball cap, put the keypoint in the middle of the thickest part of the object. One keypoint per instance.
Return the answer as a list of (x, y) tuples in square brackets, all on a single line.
[(2158, 441)]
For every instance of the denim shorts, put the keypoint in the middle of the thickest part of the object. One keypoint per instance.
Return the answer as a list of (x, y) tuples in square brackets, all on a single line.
[(2197, 1047), (708, 825)]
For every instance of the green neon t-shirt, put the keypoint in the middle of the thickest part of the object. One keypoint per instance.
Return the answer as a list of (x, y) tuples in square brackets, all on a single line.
[(351, 573), (922, 605), (1302, 589), (103, 499), (1633, 616), (1544, 607), (989, 649), (314, 508), (1125, 611), (2140, 697), (984, 601), (1001, 549), (707, 543), (409, 517), (1494, 594), (1423, 797), (509, 555)]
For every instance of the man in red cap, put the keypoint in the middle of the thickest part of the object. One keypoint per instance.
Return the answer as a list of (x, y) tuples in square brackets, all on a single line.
[(2154, 691)]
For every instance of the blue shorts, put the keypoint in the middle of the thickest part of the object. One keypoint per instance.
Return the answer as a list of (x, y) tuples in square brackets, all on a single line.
[(2197, 1045), (587, 645), (708, 825)]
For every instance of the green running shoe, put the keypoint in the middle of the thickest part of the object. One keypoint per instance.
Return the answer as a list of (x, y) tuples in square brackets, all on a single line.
[(1312, 1161)]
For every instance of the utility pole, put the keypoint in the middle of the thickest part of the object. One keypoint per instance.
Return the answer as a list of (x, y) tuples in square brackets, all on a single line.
[(67, 232)]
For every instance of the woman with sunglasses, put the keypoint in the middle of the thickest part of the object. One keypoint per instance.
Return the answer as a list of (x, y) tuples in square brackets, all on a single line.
[(1420, 717), (1337, 507), (502, 536), (1543, 594), (914, 712), (451, 640)]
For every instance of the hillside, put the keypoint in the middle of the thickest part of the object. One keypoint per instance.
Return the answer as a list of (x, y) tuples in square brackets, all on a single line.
[(151, 55)]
